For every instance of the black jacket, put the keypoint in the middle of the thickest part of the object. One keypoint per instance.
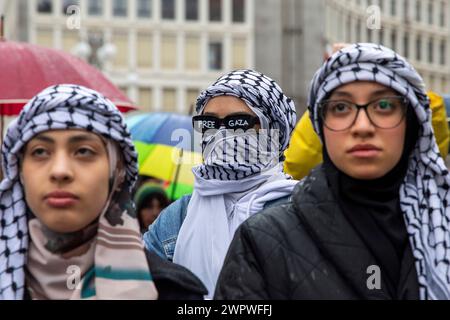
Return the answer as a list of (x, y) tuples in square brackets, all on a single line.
[(306, 249), (173, 281)]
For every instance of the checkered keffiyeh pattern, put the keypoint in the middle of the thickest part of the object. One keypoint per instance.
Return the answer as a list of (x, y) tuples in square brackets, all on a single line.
[(263, 95), (424, 194), (57, 107)]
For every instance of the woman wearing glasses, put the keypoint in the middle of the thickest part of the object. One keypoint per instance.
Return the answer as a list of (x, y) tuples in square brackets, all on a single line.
[(373, 221), (245, 122)]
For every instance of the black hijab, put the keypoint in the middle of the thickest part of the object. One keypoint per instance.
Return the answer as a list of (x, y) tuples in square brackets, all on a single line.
[(373, 207)]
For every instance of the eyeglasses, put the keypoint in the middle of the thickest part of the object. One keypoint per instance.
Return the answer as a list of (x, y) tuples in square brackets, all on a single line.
[(384, 113), (202, 123)]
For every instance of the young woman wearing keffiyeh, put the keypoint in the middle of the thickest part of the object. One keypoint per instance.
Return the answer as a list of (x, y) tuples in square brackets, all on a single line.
[(246, 122), (68, 227), (373, 221)]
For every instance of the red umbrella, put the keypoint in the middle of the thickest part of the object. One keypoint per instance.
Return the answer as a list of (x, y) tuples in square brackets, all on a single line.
[(27, 69)]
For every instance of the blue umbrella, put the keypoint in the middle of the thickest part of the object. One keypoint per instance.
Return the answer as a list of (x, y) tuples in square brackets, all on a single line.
[(158, 127), (158, 140)]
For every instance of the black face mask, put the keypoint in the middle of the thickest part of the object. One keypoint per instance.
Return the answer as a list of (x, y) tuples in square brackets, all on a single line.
[(373, 206)]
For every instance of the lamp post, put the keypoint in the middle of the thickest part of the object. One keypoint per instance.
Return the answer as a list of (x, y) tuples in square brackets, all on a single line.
[(95, 51)]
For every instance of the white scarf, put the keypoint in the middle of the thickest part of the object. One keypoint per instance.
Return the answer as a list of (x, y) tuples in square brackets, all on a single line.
[(228, 189), (208, 228)]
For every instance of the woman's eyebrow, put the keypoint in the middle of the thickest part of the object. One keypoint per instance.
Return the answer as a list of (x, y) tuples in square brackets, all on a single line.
[(382, 92), (83, 138), (44, 138), (375, 93), (342, 94)]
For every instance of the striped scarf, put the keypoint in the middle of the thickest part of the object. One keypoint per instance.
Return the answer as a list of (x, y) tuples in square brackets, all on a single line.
[(118, 267)]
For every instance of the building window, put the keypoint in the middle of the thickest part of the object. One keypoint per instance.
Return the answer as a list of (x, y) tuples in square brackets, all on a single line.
[(442, 52), (393, 8), (406, 46), (144, 8), (168, 51), (419, 48), (44, 6), (120, 40), (418, 11), (405, 10), (393, 40), (430, 51), (66, 6), (239, 57), (69, 40), (191, 99), (215, 10), (348, 29), (144, 50), (145, 99), (358, 31), (120, 8), (44, 37), (192, 50), (95, 7), (238, 10), (369, 35), (442, 14), (215, 55), (169, 99), (191, 10), (168, 9), (430, 13)]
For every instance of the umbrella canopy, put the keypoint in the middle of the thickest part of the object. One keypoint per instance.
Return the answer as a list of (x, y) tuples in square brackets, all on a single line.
[(163, 142), (27, 69)]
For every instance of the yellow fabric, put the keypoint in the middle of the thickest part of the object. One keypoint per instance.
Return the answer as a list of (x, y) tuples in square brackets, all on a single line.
[(305, 148), (304, 151), (162, 163), (439, 121)]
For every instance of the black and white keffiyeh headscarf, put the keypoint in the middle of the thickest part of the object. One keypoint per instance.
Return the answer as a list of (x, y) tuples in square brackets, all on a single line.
[(424, 194), (57, 107), (264, 97), (227, 193)]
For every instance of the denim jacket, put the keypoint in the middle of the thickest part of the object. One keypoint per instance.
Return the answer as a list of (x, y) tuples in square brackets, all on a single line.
[(162, 234)]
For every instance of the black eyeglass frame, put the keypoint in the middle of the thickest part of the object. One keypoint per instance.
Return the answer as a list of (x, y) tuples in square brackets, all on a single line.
[(322, 111)]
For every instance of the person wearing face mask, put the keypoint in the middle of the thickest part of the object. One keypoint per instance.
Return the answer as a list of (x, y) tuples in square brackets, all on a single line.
[(245, 122), (371, 222), (68, 225)]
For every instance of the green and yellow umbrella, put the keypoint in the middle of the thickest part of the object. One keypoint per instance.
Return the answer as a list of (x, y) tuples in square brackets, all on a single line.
[(165, 151)]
